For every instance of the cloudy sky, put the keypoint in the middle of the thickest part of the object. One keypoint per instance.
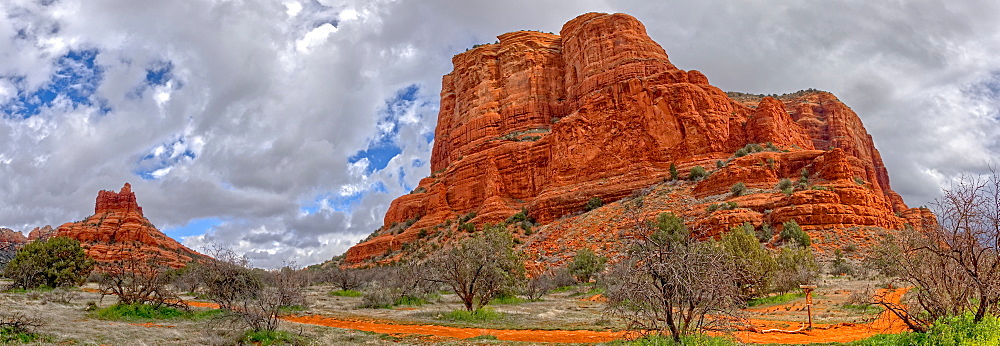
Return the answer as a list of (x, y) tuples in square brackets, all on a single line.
[(284, 128)]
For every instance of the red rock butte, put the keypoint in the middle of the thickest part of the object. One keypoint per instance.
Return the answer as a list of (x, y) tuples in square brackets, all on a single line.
[(118, 229), (545, 122)]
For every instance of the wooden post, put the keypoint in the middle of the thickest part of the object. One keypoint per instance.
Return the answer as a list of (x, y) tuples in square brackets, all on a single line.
[(809, 302)]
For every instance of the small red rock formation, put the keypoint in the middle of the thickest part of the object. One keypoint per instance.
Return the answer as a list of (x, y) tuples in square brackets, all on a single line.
[(41, 233), (546, 122), (11, 237), (118, 228)]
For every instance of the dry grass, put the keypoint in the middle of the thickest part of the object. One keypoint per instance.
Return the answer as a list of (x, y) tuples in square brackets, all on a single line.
[(70, 323)]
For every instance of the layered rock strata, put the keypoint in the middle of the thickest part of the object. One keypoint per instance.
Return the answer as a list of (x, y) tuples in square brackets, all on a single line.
[(118, 231), (544, 123)]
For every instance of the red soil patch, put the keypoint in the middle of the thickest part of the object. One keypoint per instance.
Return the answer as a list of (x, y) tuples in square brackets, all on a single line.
[(562, 336), (885, 323), (202, 305)]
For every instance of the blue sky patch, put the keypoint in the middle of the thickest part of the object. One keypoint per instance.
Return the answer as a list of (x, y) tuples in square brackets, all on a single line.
[(161, 159), (76, 78), (384, 147), (193, 227)]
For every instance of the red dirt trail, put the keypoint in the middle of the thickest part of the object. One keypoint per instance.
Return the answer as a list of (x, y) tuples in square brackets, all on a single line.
[(885, 323)]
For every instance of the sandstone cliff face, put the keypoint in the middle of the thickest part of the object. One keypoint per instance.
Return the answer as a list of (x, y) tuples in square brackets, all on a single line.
[(118, 227), (545, 122), (9, 236)]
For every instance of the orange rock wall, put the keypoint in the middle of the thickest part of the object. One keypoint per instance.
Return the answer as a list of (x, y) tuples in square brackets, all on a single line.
[(545, 122), (118, 227)]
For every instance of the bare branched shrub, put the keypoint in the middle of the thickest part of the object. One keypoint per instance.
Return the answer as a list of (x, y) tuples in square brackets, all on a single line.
[(16, 323), (61, 295), (344, 278), (955, 263), (289, 284), (186, 279), (136, 277), (243, 291), (669, 282), (480, 268), (552, 278), (398, 282), (796, 266)]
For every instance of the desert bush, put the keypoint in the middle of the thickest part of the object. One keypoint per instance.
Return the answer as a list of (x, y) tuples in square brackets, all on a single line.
[(185, 279), (795, 266), (136, 277), (594, 203), (480, 268), (764, 233), (19, 328), (585, 264), (57, 262), (791, 231), (289, 285), (738, 189), (954, 330), (698, 172), (345, 278), (269, 337), (785, 185), (248, 294), (398, 285), (954, 263), (840, 265), (674, 174), (62, 296), (668, 281), (750, 259), (541, 284), (484, 314)]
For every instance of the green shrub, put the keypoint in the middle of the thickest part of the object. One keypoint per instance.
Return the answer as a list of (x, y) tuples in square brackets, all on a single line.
[(956, 330), (131, 312), (719, 164), (698, 172), (840, 266), (484, 314), (594, 203), (56, 262), (738, 189), (784, 184), (775, 299), (764, 233), (741, 152), (711, 208), (9, 335), (674, 175), (346, 293), (144, 312), (467, 227), (269, 337), (585, 264), (753, 262), (790, 230), (508, 300)]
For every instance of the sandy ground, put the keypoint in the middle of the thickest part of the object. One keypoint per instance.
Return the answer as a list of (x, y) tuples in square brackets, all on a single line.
[(565, 317)]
